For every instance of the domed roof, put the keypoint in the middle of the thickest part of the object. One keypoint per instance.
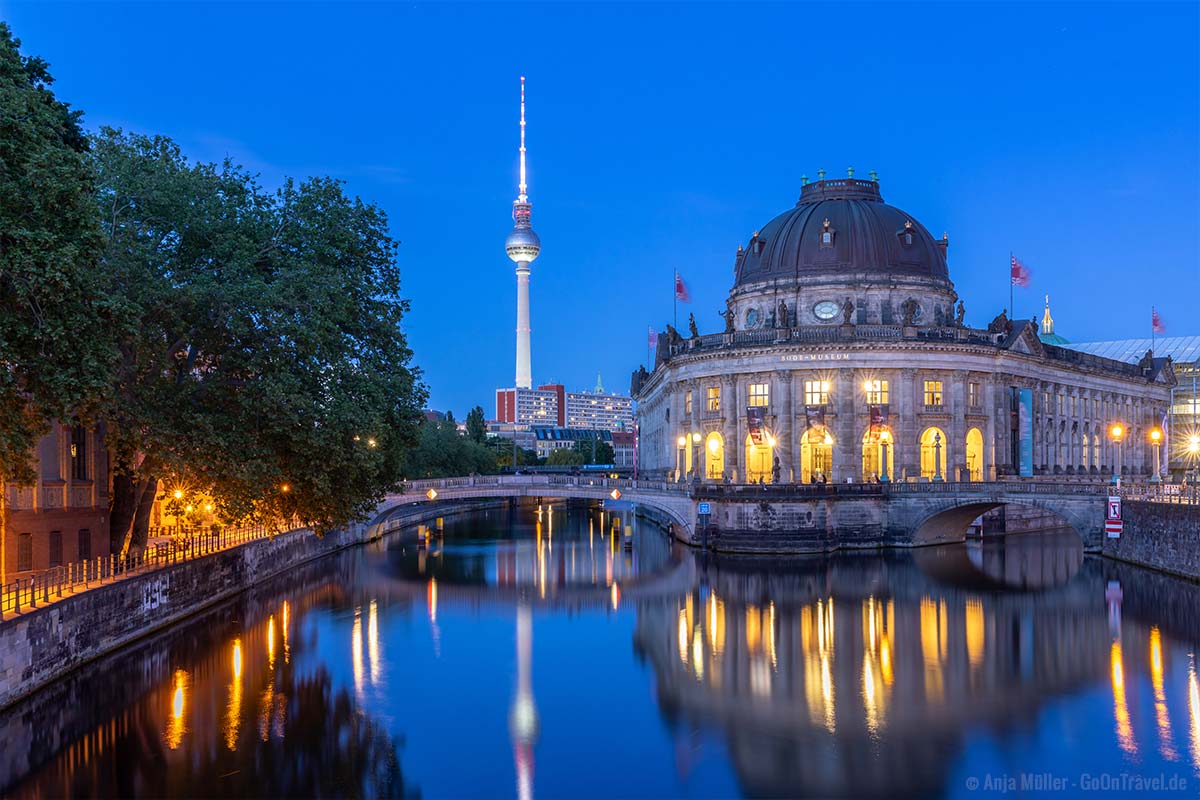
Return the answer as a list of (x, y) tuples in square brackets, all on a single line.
[(865, 235)]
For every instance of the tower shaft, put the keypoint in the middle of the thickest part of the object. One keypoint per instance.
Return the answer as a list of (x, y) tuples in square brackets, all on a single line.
[(524, 378)]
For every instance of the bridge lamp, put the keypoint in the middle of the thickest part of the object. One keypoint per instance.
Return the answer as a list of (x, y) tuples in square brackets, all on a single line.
[(431, 494), (1115, 432), (1193, 444), (696, 438), (1156, 436)]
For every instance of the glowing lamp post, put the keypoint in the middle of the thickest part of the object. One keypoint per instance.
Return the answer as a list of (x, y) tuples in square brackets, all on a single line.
[(682, 442), (883, 455), (937, 458), (696, 451), (1156, 436), (1116, 432)]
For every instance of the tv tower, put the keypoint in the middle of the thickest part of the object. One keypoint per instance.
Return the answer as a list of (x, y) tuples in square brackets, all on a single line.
[(522, 246)]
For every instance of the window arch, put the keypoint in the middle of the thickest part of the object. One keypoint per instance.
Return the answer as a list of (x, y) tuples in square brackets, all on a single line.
[(974, 455), (933, 454)]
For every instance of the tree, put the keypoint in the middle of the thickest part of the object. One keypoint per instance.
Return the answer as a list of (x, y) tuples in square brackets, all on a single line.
[(443, 452), (476, 425), (54, 353), (261, 355), (565, 457), (603, 452)]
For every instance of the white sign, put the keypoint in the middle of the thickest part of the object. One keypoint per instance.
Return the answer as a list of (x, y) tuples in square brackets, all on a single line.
[(1114, 508), (705, 508)]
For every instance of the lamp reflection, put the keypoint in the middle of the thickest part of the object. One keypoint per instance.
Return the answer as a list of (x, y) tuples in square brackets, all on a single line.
[(175, 723), (1120, 707), (233, 711), (1161, 718)]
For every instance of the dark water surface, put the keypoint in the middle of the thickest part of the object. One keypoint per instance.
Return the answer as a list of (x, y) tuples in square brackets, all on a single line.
[(568, 658)]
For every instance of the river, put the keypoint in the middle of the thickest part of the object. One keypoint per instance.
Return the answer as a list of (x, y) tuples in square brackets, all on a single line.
[(563, 653)]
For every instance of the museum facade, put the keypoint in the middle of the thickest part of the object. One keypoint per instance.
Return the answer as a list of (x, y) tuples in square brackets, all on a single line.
[(846, 357)]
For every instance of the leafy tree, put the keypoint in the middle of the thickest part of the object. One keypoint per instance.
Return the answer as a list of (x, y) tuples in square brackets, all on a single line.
[(51, 344), (503, 450), (442, 452), (476, 425), (603, 452), (261, 355), (565, 457)]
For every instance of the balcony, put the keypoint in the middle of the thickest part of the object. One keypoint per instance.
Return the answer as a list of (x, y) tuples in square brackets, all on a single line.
[(935, 408)]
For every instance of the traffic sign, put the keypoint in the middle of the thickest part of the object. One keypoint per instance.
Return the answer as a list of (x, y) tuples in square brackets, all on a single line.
[(705, 508), (1114, 508), (1113, 528)]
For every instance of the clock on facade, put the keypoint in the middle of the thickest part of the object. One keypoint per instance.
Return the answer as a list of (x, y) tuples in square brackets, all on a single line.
[(826, 310)]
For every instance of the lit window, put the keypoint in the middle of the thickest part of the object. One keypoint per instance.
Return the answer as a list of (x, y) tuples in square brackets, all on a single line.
[(816, 393), (973, 394), (877, 392), (759, 394), (687, 404), (933, 393), (714, 398)]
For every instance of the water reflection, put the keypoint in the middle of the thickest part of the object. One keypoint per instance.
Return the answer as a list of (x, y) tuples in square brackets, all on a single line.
[(858, 675)]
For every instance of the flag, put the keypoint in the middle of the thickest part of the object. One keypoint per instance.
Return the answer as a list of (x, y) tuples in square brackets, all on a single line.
[(681, 292), (1156, 323), (1020, 273), (651, 337)]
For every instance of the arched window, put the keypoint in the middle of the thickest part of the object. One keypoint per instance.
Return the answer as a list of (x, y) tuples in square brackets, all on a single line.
[(876, 441), (974, 455), (933, 454), (714, 457), (816, 455)]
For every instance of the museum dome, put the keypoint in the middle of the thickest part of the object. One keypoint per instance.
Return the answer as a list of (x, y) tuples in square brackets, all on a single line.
[(841, 228)]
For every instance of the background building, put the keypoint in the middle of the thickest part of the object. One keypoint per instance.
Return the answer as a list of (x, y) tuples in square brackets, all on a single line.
[(845, 357), (547, 440), (599, 410), (64, 516)]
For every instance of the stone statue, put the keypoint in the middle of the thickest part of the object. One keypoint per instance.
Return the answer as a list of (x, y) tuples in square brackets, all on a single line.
[(1000, 324), (730, 317), (959, 314), (692, 326), (673, 336), (775, 470), (781, 318), (847, 311), (908, 311)]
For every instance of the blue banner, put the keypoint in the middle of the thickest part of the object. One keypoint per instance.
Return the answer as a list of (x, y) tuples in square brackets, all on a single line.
[(1025, 432)]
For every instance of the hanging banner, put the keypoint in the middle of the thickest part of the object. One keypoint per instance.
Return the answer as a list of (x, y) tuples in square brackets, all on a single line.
[(814, 416), (879, 418), (1025, 432), (754, 421)]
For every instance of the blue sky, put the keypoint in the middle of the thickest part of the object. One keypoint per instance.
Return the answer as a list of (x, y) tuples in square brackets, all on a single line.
[(660, 137)]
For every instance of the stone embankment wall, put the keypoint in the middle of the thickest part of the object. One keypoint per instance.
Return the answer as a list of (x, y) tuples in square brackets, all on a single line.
[(47, 643), (1163, 536)]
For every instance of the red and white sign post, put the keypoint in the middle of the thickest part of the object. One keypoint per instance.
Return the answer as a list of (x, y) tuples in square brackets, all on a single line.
[(1112, 518)]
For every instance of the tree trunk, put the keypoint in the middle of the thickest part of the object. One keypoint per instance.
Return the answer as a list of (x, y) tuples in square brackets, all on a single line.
[(129, 521), (141, 520), (124, 507)]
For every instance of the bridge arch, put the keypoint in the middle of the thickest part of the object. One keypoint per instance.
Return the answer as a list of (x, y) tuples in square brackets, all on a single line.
[(948, 520)]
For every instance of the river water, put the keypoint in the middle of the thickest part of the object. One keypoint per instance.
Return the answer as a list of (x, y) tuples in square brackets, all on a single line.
[(560, 655)]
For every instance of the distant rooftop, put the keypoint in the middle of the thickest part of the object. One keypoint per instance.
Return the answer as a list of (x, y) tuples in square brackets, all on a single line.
[(1181, 349)]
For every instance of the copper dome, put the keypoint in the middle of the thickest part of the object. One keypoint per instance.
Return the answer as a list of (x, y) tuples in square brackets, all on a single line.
[(841, 227)]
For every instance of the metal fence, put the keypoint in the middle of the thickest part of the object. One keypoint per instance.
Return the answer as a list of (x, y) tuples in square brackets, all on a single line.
[(34, 591), (1173, 493)]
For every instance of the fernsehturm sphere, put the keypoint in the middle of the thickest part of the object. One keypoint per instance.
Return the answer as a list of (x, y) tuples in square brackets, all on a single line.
[(523, 246)]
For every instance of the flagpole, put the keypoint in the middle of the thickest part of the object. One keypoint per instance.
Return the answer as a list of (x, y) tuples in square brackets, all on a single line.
[(1010, 285), (675, 299)]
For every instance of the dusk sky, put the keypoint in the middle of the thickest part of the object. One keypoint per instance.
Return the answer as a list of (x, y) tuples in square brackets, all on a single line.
[(660, 137)]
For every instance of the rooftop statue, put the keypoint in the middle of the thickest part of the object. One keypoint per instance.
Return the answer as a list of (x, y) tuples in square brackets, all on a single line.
[(847, 311), (692, 326)]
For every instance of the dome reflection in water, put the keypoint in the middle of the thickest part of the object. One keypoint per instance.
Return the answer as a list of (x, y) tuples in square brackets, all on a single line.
[(571, 656)]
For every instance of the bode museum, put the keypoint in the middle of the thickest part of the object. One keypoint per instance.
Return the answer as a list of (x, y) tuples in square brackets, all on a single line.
[(846, 356)]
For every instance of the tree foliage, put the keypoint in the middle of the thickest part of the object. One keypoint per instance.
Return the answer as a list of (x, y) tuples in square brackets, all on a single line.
[(476, 425), (442, 452), (261, 358), (594, 451), (55, 358), (565, 457)]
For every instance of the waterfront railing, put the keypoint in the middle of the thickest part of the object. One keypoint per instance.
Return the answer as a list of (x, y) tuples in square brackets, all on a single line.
[(27, 593)]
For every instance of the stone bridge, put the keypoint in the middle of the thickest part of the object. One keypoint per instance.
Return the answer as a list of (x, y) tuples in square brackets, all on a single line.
[(787, 518)]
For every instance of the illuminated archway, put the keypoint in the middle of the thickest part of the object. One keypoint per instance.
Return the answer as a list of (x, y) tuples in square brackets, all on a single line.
[(931, 439), (816, 454), (759, 458), (714, 457), (873, 442), (974, 455)]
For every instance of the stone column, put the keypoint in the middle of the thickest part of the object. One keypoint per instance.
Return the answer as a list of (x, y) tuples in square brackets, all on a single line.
[(956, 461), (733, 403), (785, 439), (907, 447), (847, 445), (989, 428)]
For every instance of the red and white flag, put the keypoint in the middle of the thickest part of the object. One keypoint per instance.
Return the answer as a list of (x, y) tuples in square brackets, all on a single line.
[(681, 292), (1156, 323), (651, 337), (1020, 273)]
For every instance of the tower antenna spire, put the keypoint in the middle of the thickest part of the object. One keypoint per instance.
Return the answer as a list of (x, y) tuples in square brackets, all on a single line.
[(522, 194)]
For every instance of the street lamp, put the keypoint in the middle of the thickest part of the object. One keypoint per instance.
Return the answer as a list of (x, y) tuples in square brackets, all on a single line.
[(1115, 432), (696, 470), (1156, 440), (682, 442), (937, 458), (883, 454)]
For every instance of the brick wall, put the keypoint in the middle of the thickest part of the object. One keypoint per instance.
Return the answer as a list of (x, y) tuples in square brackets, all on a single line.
[(1159, 535)]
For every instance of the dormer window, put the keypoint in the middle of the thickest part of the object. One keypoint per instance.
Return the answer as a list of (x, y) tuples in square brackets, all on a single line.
[(827, 234), (757, 244), (906, 234)]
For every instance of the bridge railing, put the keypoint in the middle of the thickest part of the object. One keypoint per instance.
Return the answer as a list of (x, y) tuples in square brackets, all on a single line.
[(1173, 493)]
